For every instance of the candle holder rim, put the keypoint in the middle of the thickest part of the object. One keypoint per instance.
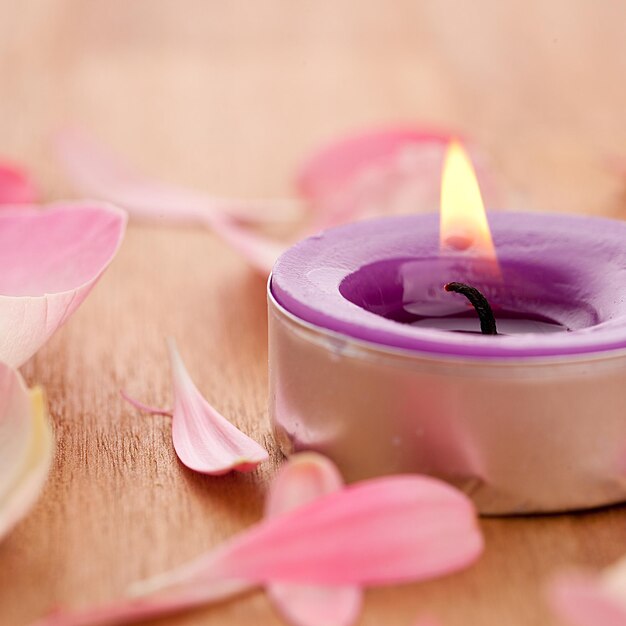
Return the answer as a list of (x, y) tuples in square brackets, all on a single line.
[(384, 350), (389, 333)]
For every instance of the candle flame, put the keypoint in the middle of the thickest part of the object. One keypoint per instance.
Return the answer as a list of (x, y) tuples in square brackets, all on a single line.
[(463, 225)]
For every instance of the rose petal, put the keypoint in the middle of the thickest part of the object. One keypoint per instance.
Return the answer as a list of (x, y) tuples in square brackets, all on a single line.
[(16, 185), (49, 262), (26, 447), (99, 173), (303, 479), (204, 440), (585, 599), (427, 621)]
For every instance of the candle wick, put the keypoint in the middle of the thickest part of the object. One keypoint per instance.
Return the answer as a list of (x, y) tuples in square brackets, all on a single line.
[(480, 303)]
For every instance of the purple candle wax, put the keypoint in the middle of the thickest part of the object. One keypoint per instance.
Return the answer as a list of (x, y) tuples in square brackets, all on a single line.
[(562, 290)]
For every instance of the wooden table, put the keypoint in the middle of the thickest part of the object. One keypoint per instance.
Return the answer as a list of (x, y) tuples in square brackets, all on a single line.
[(227, 97)]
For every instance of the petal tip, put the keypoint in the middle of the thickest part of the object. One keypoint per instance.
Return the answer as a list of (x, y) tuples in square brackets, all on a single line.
[(204, 440)]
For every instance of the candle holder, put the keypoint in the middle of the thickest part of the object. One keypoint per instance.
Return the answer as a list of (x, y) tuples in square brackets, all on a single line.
[(523, 424)]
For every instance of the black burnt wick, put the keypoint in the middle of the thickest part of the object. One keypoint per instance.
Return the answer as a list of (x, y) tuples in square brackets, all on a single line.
[(480, 303)]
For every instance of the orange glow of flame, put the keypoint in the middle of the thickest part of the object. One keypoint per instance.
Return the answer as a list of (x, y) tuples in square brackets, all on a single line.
[(463, 222)]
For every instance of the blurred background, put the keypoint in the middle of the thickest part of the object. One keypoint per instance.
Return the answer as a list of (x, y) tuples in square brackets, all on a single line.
[(229, 96)]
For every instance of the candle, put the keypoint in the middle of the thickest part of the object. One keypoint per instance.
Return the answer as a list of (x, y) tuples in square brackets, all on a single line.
[(375, 364)]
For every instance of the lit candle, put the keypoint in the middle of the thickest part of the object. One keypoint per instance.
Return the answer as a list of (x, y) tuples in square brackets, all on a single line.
[(363, 365)]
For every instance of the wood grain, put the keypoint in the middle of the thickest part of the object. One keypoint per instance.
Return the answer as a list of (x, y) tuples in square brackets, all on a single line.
[(227, 97)]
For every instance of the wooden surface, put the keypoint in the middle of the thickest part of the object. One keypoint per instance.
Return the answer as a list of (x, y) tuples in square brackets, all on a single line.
[(227, 96)]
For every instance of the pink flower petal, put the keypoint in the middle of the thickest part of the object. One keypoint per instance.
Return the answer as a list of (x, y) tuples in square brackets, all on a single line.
[(145, 407), (337, 163), (378, 532), (258, 250), (130, 610), (16, 185), (382, 172), (584, 599), (382, 531), (303, 479), (99, 173), (204, 440), (26, 447), (49, 262)]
